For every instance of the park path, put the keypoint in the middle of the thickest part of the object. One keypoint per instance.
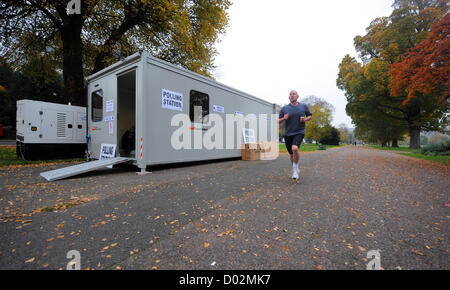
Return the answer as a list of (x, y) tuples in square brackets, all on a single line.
[(235, 215)]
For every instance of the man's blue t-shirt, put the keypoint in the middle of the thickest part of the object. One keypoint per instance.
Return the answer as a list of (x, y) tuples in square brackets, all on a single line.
[(293, 124)]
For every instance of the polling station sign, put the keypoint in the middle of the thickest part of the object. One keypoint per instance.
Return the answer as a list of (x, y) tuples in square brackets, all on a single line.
[(107, 151), (172, 100)]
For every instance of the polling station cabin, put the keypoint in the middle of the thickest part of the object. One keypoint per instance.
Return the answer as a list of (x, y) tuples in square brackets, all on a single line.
[(50, 131), (131, 106)]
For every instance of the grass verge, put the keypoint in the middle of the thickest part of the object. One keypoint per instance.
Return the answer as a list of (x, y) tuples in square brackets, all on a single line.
[(305, 147), (440, 159), (8, 157), (401, 148), (415, 153)]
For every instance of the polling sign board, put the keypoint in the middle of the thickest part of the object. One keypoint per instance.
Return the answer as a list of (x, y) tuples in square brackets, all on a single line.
[(107, 151), (171, 100)]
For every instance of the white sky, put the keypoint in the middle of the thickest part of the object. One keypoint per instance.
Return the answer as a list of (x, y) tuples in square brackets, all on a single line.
[(273, 46)]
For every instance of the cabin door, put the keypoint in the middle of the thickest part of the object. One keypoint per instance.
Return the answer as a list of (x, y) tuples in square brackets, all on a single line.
[(126, 114)]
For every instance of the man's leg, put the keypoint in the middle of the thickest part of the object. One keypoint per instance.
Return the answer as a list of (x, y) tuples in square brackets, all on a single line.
[(295, 158), (292, 155), (288, 143), (295, 154)]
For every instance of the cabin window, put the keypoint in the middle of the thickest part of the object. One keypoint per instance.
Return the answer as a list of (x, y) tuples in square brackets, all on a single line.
[(97, 106), (198, 99)]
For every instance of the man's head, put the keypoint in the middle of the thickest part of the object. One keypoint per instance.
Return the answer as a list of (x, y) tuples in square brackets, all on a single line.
[(293, 96)]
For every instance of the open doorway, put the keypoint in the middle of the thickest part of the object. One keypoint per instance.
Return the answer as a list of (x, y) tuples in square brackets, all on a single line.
[(126, 114)]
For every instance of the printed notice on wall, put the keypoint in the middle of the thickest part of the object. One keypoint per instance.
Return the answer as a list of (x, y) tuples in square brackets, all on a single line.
[(218, 109), (109, 106), (249, 136), (111, 128), (172, 100), (107, 151), (109, 118)]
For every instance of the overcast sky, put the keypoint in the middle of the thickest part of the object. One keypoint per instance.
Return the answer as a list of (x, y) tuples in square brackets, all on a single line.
[(273, 46)]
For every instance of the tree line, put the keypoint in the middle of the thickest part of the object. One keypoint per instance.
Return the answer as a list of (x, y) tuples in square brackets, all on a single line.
[(182, 32), (401, 84)]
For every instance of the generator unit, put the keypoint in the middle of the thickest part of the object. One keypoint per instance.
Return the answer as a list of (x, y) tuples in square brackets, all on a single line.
[(50, 131)]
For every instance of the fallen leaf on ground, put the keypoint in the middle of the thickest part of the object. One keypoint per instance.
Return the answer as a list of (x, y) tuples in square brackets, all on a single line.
[(417, 252)]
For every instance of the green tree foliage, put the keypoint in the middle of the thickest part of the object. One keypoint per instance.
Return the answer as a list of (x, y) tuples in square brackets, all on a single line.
[(370, 102), (366, 88), (37, 81), (183, 32), (322, 112), (330, 136)]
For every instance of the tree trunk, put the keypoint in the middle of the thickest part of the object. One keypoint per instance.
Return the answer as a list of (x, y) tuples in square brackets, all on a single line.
[(395, 143), (74, 87), (414, 134), (383, 144), (107, 48)]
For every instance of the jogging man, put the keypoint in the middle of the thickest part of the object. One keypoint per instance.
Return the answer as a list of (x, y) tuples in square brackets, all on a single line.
[(295, 115)]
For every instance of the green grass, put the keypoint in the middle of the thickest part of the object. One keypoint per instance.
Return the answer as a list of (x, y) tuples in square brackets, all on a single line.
[(401, 148), (415, 153), (8, 157), (441, 159), (305, 147)]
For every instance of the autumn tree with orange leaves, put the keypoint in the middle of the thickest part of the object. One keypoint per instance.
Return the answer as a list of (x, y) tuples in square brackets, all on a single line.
[(377, 90), (424, 71)]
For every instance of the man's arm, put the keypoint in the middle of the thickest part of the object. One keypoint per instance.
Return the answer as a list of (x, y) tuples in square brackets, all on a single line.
[(282, 119), (308, 116), (306, 119)]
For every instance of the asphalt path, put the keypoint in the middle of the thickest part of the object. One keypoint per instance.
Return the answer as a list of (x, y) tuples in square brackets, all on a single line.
[(7, 142), (232, 215)]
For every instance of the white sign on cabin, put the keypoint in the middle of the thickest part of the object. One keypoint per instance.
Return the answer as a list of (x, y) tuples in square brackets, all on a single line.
[(109, 118), (249, 136), (109, 106), (107, 151), (218, 109), (171, 100)]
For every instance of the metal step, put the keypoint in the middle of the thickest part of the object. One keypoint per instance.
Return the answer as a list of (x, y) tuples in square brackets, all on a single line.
[(82, 168)]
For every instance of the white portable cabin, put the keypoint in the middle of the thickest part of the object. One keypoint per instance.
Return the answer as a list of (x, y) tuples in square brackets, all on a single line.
[(131, 109), (144, 93), (50, 131)]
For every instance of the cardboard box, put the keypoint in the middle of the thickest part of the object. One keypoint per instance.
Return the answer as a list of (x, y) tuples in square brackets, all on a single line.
[(269, 150), (251, 152)]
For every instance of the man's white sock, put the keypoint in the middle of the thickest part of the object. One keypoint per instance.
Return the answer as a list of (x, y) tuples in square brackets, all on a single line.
[(295, 165)]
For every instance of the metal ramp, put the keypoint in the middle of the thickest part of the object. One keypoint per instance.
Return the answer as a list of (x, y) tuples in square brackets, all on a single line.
[(82, 168)]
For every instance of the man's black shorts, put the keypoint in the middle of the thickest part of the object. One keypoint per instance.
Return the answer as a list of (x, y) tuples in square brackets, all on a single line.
[(293, 140)]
